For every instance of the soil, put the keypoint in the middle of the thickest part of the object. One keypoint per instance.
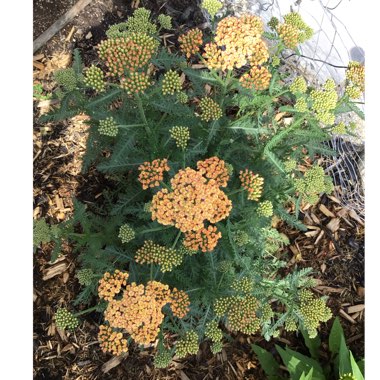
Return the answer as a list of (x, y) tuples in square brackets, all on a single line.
[(337, 254)]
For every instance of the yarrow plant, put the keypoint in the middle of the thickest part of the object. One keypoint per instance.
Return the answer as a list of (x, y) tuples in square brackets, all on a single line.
[(182, 250)]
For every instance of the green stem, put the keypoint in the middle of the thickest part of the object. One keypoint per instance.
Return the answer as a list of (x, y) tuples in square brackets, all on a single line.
[(151, 272), (235, 192), (85, 311), (155, 229), (184, 158), (176, 239), (142, 114), (220, 281)]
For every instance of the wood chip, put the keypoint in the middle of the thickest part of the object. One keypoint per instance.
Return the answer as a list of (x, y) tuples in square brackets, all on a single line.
[(323, 268), (315, 218), (311, 233), (198, 66), (65, 277), (54, 270), (183, 375), (346, 316), (355, 216), (333, 225), (326, 211), (355, 309), (355, 337), (334, 199), (329, 289), (361, 291), (38, 57), (319, 237), (114, 362)]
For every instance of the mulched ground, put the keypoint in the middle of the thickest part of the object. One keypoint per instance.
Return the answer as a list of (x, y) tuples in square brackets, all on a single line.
[(333, 244)]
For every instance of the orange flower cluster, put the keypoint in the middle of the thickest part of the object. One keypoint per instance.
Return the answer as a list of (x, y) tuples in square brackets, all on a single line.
[(111, 341), (257, 78), (127, 53), (214, 168), (193, 200), (135, 82), (253, 183), (179, 303), (154, 253), (191, 41), (151, 173), (204, 239), (110, 285), (238, 42), (139, 312)]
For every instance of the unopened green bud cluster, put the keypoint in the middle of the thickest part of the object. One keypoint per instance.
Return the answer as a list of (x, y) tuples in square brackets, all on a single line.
[(213, 331), (339, 129), (85, 276), (185, 251), (181, 135), (353, 92), (65, 320), (210, 109), (126, 233), (108, 127), (66, 78), (347, 376), (290, 165), (41, 232), (291, 325), (212, 7), (187, 345), (301, 105), (182, 97), (304, 31), (94, 78), (324, 102), (273, 22), (224, 266), (276, 61), (165, 21), (298, 86), (171, 83), (140, 22), (266, 312), (265, 209), (162, 359), (147, 207), (313, 183), (216, 347), (241, 238), (313, 311), (244, 285)]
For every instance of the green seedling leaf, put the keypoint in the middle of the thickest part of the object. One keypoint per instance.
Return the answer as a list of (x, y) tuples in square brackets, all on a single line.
[(309, 376), (336, 334), (267, 361), (355, 368), (344, 357)]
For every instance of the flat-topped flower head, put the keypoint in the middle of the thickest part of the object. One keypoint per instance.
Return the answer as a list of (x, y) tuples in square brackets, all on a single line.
[(165, 21), (180, 303), (238, 41), (65, 320), (355, 75), (94, 78), (193, 200), (243, 285), (188, 344), (294, 30), (212, 7), (162, 359), (112, 341), (126, 233), (253, 183), (190, 42), (151, 173), (214, 168), (85, 276), (108, 127), (181, 135), (265, 209), (258, 78), (213, 331), (298, 86), (166, 257), (111, 284), (210, 110), (204, 239), (127, 54), (135, 82), (171, 83)]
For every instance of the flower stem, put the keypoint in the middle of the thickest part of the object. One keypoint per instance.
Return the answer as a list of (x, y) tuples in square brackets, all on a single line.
[(86, 311)]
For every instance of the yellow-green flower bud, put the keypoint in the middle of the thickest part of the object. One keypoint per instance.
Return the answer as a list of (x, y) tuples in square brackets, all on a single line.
[(213, 331), (339, 129), (290, 165), (301, 105), (66, 78), (216, 347), (212, 7), (187, 345), (108, 127), (171, 83), (162, 359), (241, 238), (244, 285), (94, 78), (126, 233), (265, 209), (85, 276), (65, 320), (165, 21), (298, 86), (182, 97), (181, 135), (210, 109)]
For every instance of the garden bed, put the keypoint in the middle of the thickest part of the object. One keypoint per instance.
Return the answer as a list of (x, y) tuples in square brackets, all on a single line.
[(333, 244)]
